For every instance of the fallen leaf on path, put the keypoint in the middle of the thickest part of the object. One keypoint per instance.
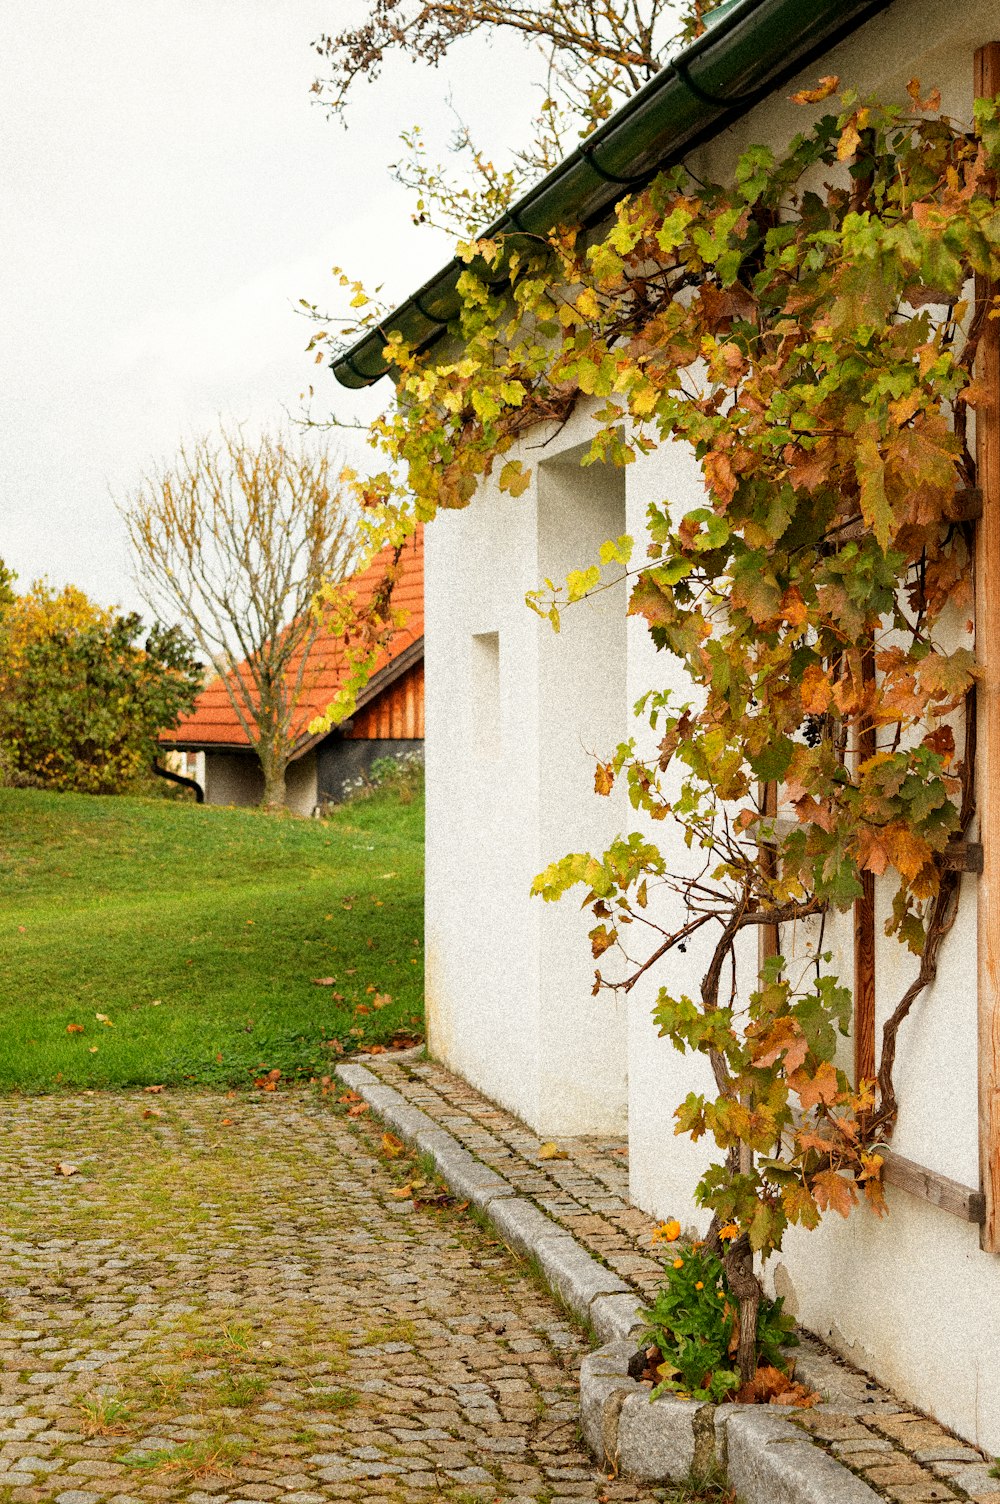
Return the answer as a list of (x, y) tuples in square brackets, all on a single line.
[(552, 1151), (226, 1123), (62, 1168), (375, 1049), (349, 1096), (152, 1088), (357, 1109), (392, 1145), (74, 1028), (152, 1112)]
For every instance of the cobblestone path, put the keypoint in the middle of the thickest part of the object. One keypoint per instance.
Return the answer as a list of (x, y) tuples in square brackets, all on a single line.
[(234, 1299)]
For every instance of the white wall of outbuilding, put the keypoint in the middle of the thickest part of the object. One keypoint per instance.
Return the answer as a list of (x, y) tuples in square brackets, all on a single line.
[(514, 716)]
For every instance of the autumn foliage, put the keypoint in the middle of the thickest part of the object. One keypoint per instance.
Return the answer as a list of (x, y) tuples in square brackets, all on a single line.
[(84, 690), (810, 330)]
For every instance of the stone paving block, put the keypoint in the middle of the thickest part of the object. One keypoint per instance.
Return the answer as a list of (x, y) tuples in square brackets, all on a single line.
[(576, 1276), (615, 1317), (521, 1224), (769, 1462), (656, 1438), (468, 1177), (973, 1477)]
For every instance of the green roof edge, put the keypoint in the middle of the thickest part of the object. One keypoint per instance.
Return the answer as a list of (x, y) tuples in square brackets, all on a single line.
[(749, 49)]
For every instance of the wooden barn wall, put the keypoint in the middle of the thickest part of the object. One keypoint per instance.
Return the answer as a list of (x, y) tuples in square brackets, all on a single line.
[(397, 713)]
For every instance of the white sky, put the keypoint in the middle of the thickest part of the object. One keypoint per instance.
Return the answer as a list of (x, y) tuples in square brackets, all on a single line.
[(169, 191)]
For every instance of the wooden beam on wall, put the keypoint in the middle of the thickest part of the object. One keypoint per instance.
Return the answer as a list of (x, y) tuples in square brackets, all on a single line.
[(767, 934), (864, 921), (987, 583), (940, 1190)]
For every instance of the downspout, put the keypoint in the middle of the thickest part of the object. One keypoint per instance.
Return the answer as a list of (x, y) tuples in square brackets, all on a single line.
[(188, 783), (749, 48)]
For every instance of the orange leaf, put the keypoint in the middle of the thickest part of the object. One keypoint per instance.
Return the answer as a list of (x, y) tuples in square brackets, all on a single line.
[(816, 690), (604, 778), (834, 1192), (152, 1088), (822, 1087), (392, 1145), (827, 86), (74, 1028)]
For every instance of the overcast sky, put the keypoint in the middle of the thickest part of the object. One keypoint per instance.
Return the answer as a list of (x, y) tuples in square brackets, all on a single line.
[(170, 190)]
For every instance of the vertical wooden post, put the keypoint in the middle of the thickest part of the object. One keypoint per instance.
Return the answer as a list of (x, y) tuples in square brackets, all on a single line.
[(864, 921), (767, 943), (987, 583)]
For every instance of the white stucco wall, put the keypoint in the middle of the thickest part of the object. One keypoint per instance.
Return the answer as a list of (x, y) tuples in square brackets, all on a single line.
[(911, 1298), (235, 778), (513, 712)]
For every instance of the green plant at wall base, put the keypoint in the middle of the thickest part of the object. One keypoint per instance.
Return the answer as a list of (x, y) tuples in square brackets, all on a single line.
[(808, 332), (693, 1320)]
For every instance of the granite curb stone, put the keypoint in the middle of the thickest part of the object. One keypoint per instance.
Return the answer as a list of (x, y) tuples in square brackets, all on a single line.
[(767, 1458)]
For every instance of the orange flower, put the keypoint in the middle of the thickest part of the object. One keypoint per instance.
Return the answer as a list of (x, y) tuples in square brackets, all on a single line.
[(731, 1230), (667, 1232), (700, 1285), (678, 1263)]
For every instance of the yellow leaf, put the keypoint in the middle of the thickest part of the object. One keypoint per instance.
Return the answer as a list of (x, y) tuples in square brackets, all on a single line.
[(849, 142), (552, 1151)]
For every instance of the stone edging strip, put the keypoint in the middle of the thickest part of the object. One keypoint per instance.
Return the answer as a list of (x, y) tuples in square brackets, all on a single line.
[(765, 1456)]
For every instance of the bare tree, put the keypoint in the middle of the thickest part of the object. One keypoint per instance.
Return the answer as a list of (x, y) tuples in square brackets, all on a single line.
[(597, 54), (238, 536)]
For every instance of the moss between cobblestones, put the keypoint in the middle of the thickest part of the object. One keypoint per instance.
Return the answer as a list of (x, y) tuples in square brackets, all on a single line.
[(282, 1255)]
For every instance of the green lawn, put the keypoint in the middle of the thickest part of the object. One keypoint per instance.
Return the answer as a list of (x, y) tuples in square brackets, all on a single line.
[(197, 931)]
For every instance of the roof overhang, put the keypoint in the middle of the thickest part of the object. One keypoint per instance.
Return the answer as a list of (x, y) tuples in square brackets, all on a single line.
[(401, 664), (748, 49)]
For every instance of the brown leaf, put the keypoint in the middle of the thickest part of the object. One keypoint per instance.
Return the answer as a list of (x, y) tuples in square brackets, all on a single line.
[(74, 1028), (152, 1112), (62, 1168), (324, 981), (392, 1145), (357, 1110), (381, 1000), (152, 1088), (828, 85)]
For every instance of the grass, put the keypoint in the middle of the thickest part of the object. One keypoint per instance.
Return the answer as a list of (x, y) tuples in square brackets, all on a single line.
[(197, 932)]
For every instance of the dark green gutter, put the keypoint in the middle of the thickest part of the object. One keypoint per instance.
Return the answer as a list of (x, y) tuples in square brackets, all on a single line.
[(750, 48)]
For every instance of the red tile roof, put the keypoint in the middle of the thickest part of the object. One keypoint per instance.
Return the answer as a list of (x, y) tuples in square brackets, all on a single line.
[(213, 721)]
